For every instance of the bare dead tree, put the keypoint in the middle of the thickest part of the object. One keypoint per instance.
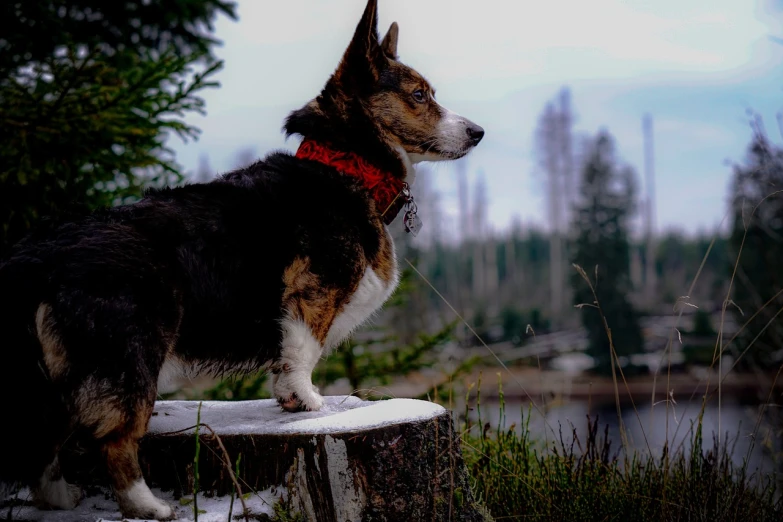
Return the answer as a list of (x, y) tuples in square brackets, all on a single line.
[(548, 151), (244, 157), (204, 172), (649, 214), (479, 222)]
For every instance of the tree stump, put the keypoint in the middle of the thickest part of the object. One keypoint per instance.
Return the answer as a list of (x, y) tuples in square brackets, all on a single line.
[(392, 460)]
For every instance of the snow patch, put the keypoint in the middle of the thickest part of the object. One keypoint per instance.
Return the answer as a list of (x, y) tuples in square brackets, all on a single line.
[(340, 414), (102, 507)]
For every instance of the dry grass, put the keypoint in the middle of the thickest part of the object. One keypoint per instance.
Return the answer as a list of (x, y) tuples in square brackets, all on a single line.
[(518, 478)]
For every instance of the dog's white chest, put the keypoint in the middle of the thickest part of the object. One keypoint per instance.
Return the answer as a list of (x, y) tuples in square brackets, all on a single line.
[(368, 298)]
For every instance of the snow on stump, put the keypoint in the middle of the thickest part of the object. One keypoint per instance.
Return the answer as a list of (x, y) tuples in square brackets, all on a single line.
[(391, 460)]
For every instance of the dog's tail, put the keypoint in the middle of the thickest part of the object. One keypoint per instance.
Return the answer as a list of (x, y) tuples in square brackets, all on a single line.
[(31, 410)]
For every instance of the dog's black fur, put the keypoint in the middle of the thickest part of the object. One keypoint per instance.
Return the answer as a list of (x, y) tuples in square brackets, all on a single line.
[(117, 280)]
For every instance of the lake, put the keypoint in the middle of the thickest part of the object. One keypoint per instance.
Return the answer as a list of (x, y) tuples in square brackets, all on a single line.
[(654, 425)]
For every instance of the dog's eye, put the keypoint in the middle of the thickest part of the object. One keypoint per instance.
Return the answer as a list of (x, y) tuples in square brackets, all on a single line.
[(419, 96)]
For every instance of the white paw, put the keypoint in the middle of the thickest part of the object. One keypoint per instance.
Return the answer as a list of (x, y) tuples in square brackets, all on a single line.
[(296, 393), (58, 495), (312, 401), (138, 502)]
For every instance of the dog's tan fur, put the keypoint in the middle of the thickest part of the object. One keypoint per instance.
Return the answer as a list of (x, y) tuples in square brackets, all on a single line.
[(306, 299), (410, 125), (53, 352)]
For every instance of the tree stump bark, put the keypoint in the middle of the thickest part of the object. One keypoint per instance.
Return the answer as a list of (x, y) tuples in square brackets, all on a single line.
[(393, 460)]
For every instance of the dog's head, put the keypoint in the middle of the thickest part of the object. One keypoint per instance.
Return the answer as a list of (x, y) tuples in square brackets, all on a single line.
[(375, 104)]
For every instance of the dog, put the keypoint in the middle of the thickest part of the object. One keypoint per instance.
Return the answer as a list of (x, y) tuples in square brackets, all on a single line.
[(267, 267)]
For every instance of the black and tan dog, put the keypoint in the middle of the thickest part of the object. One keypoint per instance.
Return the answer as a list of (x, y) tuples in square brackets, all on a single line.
[(269, 266)]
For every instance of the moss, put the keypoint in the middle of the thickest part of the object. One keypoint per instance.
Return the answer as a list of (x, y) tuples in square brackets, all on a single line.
[(459, 497)]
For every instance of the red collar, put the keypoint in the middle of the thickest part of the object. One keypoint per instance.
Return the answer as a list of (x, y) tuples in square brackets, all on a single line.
[(386, 189)]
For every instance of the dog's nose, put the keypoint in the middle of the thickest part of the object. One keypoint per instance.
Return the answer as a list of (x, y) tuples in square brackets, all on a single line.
[(475, 133)]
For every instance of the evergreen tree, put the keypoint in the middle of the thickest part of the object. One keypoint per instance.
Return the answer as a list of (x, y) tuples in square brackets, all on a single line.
[(759, 236), (89, 93), (602, 213)]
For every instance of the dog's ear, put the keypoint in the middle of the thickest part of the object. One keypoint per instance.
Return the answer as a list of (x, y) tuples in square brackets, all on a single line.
[(389, 43), (365, 38), (364, 54)]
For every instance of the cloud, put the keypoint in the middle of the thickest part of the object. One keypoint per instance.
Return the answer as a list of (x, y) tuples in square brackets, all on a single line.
[(695, 133), (285, 50), (695, 65)]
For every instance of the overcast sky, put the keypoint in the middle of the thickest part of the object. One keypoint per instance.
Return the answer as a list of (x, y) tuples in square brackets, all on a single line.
[(695, 65)]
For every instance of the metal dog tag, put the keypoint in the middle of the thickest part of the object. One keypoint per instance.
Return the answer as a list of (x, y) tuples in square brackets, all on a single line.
[(412, 222)]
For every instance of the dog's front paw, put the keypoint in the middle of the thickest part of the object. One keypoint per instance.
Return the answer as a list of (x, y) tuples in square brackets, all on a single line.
[(295, 392), (308, 401)]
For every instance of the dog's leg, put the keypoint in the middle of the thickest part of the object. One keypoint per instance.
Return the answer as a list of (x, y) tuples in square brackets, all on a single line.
[(116, 410), (309, 309), (112, 374), (118, 426), (300, 353), (53, 492), (133, 495), (319, 316), (44, 420)]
